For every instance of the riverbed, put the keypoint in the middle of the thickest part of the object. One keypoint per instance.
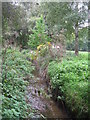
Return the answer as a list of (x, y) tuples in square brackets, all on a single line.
[(41, 101)]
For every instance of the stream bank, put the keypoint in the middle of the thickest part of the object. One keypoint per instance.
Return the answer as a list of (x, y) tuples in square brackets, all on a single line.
[(41, 101)]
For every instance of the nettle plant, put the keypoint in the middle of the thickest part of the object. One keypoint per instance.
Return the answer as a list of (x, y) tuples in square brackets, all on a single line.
[(39, 36)]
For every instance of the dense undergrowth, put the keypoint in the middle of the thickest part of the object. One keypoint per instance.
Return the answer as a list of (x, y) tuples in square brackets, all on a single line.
[(70, 78), (15, 70)]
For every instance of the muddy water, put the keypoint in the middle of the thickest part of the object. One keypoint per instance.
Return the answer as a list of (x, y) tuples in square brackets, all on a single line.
[(41, 101)]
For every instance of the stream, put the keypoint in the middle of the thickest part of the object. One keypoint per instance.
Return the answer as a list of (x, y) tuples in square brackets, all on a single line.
[(41, 101)]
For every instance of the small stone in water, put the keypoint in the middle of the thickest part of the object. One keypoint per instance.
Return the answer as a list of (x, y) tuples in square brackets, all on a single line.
[(35, 91), (38, 92)]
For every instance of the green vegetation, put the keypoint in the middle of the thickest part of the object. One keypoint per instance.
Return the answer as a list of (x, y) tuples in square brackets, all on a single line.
[(14, 72), (70, 77), (38, 37)]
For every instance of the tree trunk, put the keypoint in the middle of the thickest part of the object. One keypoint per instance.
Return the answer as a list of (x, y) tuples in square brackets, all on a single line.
[(76, 33), (76, 39)]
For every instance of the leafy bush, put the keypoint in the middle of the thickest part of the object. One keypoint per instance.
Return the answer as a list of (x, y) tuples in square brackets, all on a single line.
[(15, 69), (71, 80), (44, 49), (38, 37)]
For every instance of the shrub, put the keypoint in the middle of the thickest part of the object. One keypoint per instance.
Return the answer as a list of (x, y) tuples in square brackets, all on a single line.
[(71, 80), (39, 36), (15, 69)]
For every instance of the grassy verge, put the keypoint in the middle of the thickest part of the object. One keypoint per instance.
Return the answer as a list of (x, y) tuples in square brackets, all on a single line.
[(70, 77)]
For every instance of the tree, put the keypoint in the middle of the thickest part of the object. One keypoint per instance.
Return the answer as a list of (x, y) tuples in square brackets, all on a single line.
[(39, 36), (17, 19), (13, 19), (79, 16), (76, 32), (68, 16)]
